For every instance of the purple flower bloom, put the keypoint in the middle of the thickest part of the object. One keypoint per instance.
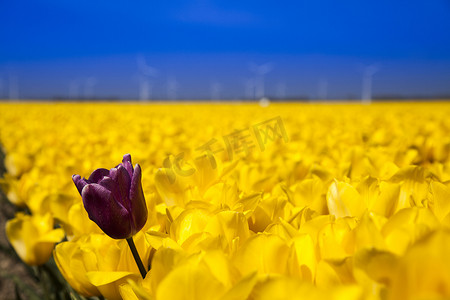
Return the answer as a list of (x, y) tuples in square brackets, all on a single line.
[(114, 199)]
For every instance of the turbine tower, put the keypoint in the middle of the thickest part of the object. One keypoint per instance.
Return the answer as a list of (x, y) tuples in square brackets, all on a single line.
[(13, 87), (89, 85), (172, 88), (1, 87), (216, 88), (322, 92), (249, 86), (368, 72), (260, 71), (74, 87), (144, 78), (281, 90)]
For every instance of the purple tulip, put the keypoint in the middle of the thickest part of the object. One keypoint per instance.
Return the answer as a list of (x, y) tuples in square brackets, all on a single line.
[(114, 199)]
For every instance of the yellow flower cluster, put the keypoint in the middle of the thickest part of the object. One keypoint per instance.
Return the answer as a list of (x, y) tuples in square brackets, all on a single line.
[(290, 201)]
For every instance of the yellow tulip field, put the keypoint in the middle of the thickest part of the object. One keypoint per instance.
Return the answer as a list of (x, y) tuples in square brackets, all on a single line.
[(289, 201)]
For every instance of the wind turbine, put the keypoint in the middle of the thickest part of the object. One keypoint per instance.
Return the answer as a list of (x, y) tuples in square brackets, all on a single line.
[(260, 71), (216, 88), (368, 72), (1, 87), (145, 73), (322, 92), (249, 86), (172, 88), (89, 85), (281, 90), (13, 87), (74, 86)]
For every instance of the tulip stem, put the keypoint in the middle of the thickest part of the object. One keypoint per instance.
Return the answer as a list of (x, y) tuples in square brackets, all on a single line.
[(136, 256)]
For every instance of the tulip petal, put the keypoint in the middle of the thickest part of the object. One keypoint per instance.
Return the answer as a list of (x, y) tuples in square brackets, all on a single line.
[(344, 200), (137, 200), (98, 278), (242, 289), (286, 288), (108, 283), (97, 175), (72, 267), (79, 182), (122, 183), (111, 186), (190, 281), (54, 236), (265, 253), (107, 183), (126, 162), (110, 215), (126, 292)]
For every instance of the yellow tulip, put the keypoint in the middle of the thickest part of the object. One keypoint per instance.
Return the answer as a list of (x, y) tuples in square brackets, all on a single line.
[(224, 196), (414, 186), (282, 229), (231, 226), (33, 237), (380, 197), (74, 263), (278, 288), (188, 223), (378, 265), (344, 200), (335, 239), (178, 275), (438, 197), (17, 190), (172, 193), (129, 291), (190, 280), (406, 227), (265, 253), (96, 264), (78, 223), (17, 163), (303, 258), (205, 275), (349, 208), (367, 233), (310, 192), (424, 271)]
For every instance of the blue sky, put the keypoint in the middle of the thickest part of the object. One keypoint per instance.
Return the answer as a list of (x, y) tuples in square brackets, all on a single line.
[(204, 49)]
